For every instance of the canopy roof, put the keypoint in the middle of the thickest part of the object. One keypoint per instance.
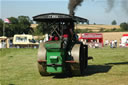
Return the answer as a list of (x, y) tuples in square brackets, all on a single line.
[(48, 17)]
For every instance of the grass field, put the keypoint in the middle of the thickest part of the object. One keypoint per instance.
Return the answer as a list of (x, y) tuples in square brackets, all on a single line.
[(109, 67)]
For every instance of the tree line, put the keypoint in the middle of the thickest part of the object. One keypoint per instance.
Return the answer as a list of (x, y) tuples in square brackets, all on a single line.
[(123, 26), (22, 25)]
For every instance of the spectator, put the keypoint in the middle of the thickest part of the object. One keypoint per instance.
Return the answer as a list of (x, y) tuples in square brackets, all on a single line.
[(96, 45), (127, 41), (115, 42), (46, 38), (106, 42), (112, 44)]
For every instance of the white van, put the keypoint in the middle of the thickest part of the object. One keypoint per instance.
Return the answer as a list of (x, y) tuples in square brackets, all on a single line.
[(24, 41)]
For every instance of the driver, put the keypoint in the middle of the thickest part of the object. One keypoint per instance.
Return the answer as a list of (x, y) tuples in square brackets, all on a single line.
[(69, 29)]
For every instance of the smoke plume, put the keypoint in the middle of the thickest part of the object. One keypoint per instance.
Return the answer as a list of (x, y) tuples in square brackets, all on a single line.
[(125, 5), (113, 3), (110, 4), (73, 5)]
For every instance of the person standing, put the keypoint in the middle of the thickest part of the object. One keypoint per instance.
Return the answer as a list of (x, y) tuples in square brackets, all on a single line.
[(111, 44), (127, 41), (115, 42), (46, 38), (106, 42)]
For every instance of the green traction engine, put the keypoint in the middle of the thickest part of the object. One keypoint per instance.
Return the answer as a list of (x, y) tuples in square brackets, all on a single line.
[(62, 53)]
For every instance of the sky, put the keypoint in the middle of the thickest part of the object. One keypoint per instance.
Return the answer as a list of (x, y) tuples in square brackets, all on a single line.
[(93, 10)]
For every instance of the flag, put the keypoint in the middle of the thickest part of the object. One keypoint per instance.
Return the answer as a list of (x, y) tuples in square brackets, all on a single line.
[(6, 21)]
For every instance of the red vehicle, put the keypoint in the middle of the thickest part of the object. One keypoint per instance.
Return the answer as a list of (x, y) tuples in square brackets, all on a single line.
[(124, 41), (92, 39)]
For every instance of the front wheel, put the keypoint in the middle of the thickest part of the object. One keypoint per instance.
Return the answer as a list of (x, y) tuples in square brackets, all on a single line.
[(42, 69)]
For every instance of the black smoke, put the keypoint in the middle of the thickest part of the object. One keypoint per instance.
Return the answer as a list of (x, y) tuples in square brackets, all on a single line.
[(114, 3), (110, 4), (125, 5), (73, 5)]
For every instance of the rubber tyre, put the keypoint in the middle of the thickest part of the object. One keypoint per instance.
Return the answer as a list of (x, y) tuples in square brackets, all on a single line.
[(42, 69), (83, 58)]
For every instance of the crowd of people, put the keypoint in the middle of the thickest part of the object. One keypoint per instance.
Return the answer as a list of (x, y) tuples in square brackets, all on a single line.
[(112, 43)]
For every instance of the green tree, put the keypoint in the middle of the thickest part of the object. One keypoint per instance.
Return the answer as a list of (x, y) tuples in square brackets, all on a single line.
[(1, 27), (101, 29), (124, 26), (24, 25), (94, 23), (18, 25), (12, 27), (36, 31), (43, 29), (114, 22)]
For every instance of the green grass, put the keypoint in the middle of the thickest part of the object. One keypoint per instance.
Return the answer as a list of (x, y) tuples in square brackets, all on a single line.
[(109, 67)]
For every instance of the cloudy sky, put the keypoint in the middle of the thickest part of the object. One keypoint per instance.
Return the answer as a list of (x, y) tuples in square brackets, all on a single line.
[(96, 11)]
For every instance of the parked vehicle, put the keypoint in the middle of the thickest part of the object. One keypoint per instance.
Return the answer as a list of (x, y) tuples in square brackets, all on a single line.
[(24, 41), (124, 41)]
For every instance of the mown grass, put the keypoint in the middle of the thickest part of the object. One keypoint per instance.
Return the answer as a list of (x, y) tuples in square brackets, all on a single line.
[(109, 67)]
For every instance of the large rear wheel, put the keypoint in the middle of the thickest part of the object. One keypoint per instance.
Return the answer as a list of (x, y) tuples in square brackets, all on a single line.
[(83, 58), (80, 56)]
